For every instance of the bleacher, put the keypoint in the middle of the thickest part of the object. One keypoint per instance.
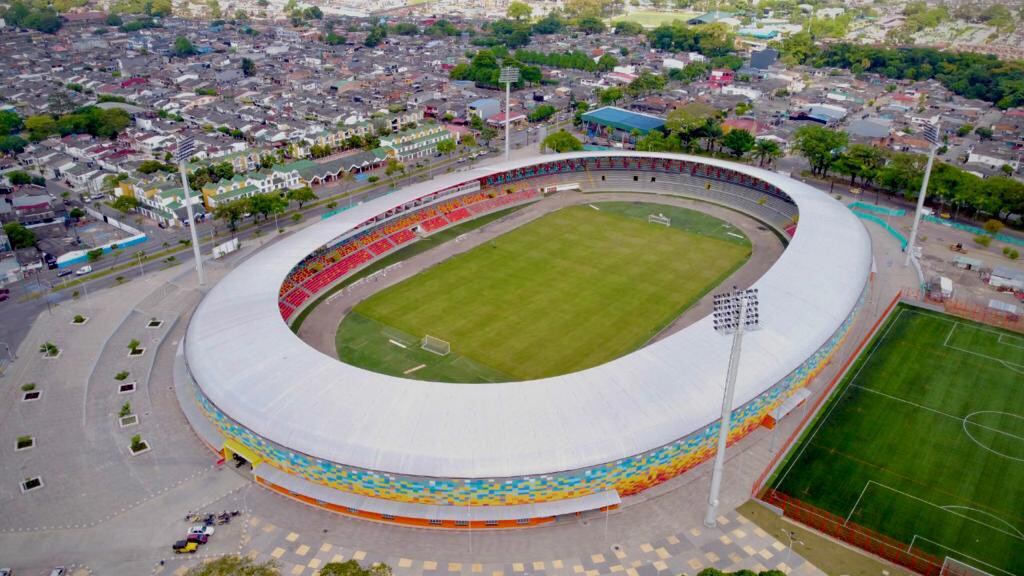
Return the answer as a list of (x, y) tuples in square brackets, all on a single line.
[(380, 246), (329, 264)]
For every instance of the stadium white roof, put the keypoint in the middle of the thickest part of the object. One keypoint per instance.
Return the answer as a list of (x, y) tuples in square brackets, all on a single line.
[(250, 364)]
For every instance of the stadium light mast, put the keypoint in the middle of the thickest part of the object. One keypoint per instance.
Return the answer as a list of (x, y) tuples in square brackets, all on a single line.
[(931, 133), (509, 75), (734, 312), (186, 148)]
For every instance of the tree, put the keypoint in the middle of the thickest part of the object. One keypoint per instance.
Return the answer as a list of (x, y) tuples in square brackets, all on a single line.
[(561, 141), (125, 204), (301, 195), (235, 566), (232, 212), (392, 168), (766, 151), (820, 146), (607, 62), (644, 83), (738, 141), (375, 37), (993, 226), (964, 130), (590, 25), (10, 122), (861, 160), (446, 146), (983, 132), (94, 254), (76, 213), (610, 95), (183, 47), (40, 127), (12, 144), (19, 177), (519, 10), (19, 236), (541, 113), (248, 67)]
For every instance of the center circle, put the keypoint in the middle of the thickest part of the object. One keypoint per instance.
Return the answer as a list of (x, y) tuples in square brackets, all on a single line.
[(987, 428)]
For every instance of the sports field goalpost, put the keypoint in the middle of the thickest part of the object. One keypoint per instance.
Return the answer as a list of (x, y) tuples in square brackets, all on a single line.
[(436, 345), (953, 567), (659, 219)]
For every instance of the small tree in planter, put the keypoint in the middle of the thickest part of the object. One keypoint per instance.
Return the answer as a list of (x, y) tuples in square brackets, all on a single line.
[(122, 375), (119, 279), (49, 350), (126, 410), (25, 442), (78, 319), (138, 445), (133, 348), (154, 323), (28, 387)]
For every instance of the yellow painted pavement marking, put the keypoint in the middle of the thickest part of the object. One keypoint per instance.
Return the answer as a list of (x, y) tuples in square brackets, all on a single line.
[(577, 569), (557, 564), (455, 567), (292, 537), (518, 567), (314, 563), (659, 565), (427, 564), (712, 557), (597, 558), (337, 558), (695, 564), (359, 555), (725, 539), (538, 565), (749, 550), (277, 553), (404, 563), (662, 553), (695, 532), (646, 548), (302, 550), (672, 539), (477, 568), (325, 547), (618, 568), (764, 553), (297, 569), (739, 534), (779, 546)]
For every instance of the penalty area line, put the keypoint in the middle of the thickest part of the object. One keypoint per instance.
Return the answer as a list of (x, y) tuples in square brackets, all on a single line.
[(414, 368), (397, 343)]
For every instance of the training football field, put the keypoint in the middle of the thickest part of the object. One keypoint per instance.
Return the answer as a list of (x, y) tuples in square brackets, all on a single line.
[(924, 442), (568, 291)]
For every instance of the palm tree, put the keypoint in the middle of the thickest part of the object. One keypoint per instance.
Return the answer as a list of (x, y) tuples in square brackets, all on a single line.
[(712, 132), (766, 151)]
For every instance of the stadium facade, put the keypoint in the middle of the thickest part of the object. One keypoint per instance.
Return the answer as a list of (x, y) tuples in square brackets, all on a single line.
[(516, 453)]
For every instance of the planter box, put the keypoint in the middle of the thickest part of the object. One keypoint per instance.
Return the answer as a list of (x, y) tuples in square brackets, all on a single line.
[(31, 396), (126, 388), (129, 420), (82, 323), (145, 448), (18, 447), (156, 324), (31, 484), (136, 353)]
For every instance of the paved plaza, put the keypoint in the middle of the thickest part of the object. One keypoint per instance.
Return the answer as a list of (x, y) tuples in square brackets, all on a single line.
[(102, 510)]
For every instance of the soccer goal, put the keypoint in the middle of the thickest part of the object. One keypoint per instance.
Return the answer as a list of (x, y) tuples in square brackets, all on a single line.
[(436, 345), (953, 567), (659, 219)]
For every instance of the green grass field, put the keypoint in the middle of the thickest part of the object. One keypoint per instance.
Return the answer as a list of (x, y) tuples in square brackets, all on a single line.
[(923, 441), (568, 291), (655, 18)]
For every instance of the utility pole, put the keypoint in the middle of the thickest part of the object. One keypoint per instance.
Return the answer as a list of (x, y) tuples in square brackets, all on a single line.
[(931, 133), (509, 75), (187, 147), (734, 312)]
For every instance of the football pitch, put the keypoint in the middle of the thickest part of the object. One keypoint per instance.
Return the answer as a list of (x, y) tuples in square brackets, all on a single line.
[(570, 290), (923, 442)]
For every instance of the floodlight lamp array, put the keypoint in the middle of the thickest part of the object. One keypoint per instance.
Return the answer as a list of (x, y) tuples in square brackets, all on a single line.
[(729, 311)]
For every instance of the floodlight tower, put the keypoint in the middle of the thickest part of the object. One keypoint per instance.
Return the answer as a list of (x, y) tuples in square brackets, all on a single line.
[(931, 133), (187, 147), (734, 312), (509, 75)]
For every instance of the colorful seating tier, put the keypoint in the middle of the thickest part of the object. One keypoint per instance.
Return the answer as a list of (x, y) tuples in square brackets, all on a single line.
[(381, 246), (435, 223), (337, 270), (456, 215), (286, 287), (296, 297), (502, 201), (402, 236), (286, 310)]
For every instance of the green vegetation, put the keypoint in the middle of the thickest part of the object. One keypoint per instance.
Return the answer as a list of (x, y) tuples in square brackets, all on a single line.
[(24, 442), (126, 410), (85, 120), (32, 16), (923, 441), (541, 113), (561, 141), (484, 69), (19, 236), (376, 36), (980, 76), (404, 253), (708, 39), (651, 18), (78, 319), (28, 387), (183, 47), (48, 349), (122, 375), (538, 301), (575, 60)]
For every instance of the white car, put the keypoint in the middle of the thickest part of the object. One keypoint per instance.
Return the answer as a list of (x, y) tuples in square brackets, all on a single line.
[(83, 270), (201, 529)]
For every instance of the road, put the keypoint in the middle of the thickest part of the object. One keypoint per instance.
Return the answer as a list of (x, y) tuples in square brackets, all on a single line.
[(18, 313)]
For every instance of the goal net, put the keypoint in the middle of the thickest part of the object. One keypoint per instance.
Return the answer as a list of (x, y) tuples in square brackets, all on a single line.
[(659, 219), (952, 567), (436, 345)]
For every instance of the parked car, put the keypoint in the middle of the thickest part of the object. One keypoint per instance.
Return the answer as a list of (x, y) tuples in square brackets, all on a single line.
[(198, 538), (64, 272), (184, 547), (201, 529), (83, 270)]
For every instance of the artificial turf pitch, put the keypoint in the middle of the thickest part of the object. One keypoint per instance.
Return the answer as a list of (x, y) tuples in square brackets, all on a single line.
[(568, 291), (923, 441)]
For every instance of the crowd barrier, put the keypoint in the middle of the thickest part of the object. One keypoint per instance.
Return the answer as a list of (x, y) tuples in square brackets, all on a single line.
[(877, 209), (873, 218), (973, 230)]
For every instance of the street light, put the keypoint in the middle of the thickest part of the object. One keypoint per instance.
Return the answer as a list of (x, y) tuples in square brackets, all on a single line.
[(733, 313), (10, 354), (508, 75), (792, 540), (186, 148), (931, 133)]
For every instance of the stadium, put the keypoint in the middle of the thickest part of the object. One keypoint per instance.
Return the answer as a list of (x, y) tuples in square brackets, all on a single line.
[(497, 454)]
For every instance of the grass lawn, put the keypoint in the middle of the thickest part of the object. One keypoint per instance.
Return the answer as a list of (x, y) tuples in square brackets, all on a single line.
[(655, 18), (571, 290), (924, 441)]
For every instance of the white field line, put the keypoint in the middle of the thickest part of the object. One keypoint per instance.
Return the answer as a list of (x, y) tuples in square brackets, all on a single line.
[(962, 420), (414, 368), (944, 509), (1011, 365), (736, 235), (990, 515), (397, 343), (972, 558), (1000, 340), (828, 414), (594, 207)]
